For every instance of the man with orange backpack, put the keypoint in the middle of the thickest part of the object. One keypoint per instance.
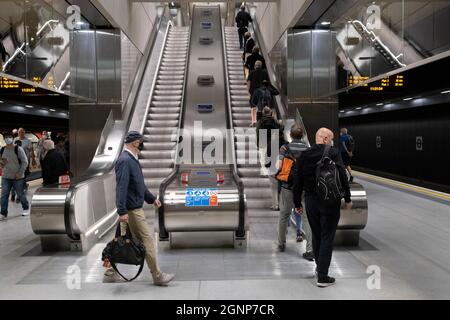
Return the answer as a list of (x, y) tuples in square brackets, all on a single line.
[(289, 155)]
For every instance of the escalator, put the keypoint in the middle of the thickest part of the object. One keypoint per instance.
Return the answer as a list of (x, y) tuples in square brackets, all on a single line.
[(256, 186), (160, 132)]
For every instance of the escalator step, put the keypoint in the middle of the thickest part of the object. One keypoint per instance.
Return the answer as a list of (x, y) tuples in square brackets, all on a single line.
[(159, 110), (163, 116)]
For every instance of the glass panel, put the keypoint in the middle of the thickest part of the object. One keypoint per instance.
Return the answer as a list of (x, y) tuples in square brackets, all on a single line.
[(375, 37)]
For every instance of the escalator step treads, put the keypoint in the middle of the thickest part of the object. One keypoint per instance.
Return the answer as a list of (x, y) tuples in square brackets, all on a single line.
[(255, 182), (175, 46), (169, 145), (240, 103), (169, 88), (260, 204), (173, 60), (237, 77), (176, 77), (157, 154), (172, 98), (175, 53), (164, 130), (162, 123), (163, 116), (157, 163), (153, 182), (160, 92), (241, 122), (258, 193), (242, 116), (236, 72), (171, 72), (173, 68), (239, 110), (169, 82), (165, 110), (163, 104), (150, 137), (240, 87), (156, 172), (235, 97)]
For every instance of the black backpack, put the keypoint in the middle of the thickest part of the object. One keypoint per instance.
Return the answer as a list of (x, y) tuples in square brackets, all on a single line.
[(16, 151), (328, 183), (266, 99), (240, 22)]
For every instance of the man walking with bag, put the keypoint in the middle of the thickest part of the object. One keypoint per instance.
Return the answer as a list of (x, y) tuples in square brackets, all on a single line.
[(322, 206), (131, 192)]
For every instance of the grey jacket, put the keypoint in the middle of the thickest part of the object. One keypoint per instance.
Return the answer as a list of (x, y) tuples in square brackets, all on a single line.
[(12, 167)]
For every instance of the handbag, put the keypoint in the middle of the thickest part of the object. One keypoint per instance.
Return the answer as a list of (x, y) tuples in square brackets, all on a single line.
[(125, 250)]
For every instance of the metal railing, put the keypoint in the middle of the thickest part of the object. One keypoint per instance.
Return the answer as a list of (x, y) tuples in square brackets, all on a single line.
[(47, 24), (376, 42), (15, 54)]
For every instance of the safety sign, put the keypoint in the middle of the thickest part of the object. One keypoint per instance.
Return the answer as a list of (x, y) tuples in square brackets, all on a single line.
[(197, 197)]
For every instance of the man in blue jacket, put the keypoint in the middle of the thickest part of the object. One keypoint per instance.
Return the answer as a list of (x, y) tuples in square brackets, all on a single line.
[(131, 192)]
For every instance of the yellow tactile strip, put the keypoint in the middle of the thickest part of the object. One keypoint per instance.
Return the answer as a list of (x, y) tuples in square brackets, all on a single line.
[(405, 186)]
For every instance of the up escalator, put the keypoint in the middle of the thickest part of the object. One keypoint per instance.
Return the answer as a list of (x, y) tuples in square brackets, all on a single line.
[(256, 186)]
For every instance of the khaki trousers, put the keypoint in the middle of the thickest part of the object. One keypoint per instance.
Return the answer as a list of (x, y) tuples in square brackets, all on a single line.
[(141, 231)]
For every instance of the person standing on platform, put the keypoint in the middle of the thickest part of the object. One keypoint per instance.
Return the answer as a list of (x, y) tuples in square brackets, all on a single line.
[(323, 217), (13, 162)]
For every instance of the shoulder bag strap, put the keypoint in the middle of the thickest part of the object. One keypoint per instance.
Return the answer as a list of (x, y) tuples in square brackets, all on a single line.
[(137, 275)]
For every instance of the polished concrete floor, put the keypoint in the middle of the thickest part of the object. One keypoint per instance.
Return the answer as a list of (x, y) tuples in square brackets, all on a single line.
[(407, 238)]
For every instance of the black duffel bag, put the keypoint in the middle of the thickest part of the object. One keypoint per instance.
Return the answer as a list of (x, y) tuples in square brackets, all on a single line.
[(125, 250)]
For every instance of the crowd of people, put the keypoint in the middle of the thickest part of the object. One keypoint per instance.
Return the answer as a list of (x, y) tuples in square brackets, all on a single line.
[(294, 176), (19, 156)]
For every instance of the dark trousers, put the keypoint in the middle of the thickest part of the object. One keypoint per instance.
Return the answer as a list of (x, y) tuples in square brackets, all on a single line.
[(241, 32), (323, 222), (7, 185)]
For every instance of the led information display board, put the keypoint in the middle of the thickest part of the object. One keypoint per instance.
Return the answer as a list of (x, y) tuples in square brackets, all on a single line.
[(10, 86), (395, 81)]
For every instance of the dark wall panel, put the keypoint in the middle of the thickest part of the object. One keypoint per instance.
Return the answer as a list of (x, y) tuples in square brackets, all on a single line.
[(398, 155)]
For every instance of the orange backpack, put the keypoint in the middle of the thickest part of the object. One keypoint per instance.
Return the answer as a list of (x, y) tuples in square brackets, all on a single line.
[(284, 174)]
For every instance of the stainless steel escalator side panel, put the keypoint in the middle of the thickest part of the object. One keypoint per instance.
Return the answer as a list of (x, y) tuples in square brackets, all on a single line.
[(222, 217), (355, 218)]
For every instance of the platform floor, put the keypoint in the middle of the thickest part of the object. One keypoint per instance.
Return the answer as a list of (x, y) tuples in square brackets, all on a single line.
[(407, 236)]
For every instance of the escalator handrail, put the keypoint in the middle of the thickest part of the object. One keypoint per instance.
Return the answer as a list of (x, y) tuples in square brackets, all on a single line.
[(165, 183), (13, 56), (48, 23)]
